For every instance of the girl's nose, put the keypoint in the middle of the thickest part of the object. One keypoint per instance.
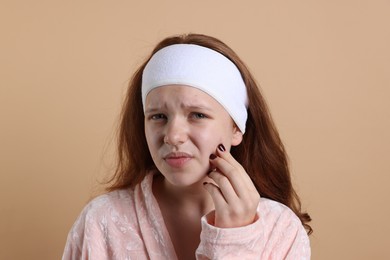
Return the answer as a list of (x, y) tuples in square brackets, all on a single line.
[(176, 132)]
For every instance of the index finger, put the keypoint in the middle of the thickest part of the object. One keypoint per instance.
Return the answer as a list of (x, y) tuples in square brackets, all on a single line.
[(232, 169)]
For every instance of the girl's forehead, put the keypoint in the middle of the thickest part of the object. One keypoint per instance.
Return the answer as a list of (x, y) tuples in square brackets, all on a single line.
[(182, 92), (179, 95)]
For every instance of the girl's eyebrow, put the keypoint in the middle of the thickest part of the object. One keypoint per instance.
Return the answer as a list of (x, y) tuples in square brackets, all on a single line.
[(151, 110), (155, 108), (184, 106), (196, 107)]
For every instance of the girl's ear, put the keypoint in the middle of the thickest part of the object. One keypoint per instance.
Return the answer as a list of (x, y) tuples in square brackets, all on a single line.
[(237, 136)]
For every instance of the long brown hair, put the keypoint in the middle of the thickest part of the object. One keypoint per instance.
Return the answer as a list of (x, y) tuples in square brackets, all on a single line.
[(261, 152)]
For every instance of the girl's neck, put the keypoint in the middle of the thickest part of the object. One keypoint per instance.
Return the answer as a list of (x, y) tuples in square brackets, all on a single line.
[(189, 197)]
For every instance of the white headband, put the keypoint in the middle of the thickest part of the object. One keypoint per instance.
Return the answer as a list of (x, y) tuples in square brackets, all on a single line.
[(202, 68)]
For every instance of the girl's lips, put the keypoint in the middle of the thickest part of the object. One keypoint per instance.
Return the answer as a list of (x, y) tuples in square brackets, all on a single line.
[(177, 162), (177, 159)]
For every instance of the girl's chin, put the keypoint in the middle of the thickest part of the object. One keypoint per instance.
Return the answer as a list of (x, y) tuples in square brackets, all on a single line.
[(186, 181)]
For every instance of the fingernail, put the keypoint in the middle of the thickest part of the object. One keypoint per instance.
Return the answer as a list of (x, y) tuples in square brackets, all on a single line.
[(221, 148), (212, 156)]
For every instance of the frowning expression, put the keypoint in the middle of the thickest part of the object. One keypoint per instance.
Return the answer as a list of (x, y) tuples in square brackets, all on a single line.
[(183, 126)]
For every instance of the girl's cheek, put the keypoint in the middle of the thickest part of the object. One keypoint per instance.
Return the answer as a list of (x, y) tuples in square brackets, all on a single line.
[(205, 138)]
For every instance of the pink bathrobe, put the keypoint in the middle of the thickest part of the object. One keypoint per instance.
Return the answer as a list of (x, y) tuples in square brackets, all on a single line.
[(128, 224)]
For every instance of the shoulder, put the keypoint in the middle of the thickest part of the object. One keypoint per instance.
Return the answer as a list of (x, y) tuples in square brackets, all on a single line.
[(108, 206), (280, 221), (119, 203), (107, 213), (107, 222), (104, 208), (284, 230), (112, 199), (277, 217), (273, 209)]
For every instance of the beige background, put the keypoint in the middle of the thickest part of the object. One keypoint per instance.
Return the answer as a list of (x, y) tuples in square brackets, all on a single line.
[(324, 67)]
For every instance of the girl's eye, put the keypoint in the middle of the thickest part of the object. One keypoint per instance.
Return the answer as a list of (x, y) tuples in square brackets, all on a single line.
[(198, 115), (158, 117)]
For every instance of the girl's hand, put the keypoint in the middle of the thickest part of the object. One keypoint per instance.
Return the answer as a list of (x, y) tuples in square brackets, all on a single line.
[(235, 197)]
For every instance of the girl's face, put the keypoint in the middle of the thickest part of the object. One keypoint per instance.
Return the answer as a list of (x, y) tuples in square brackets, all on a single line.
[(183, 126)]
